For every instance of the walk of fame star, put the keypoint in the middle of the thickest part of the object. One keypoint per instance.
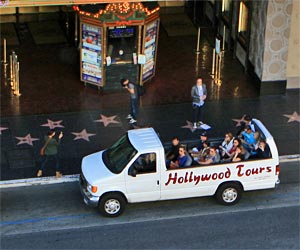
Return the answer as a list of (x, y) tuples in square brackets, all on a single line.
[(84, 135), (1, 129), (239, 121), (295, 117), (26, 140), (53, 124), (107, 120), (189, 125)]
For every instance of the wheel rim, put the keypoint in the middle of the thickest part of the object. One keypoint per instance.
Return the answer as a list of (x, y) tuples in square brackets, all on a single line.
[(230, 195), (112, 206)]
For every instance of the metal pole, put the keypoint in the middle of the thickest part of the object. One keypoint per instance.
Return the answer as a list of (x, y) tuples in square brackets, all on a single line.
[(10, 69), (17, 89), (198, 42), (224, 37), (76, 29), (4, 50), (213, 62)]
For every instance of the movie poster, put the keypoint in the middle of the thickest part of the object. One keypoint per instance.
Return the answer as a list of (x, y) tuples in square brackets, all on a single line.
[(91, 54), (151, 36)]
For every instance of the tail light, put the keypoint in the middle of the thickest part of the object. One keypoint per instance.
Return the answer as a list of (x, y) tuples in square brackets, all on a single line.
[(277, 170)]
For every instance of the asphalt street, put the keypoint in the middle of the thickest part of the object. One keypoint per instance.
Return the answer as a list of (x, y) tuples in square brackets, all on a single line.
[(40, 208), (270, 228)]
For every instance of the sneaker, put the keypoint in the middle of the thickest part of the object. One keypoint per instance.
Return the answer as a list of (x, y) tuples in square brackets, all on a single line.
[(129, 117), (132, 121), (195, 125), (199, 123)]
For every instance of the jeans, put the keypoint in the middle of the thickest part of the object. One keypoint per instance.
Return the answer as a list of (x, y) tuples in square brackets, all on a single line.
[(134, 107), (49, 157), (197, 113)]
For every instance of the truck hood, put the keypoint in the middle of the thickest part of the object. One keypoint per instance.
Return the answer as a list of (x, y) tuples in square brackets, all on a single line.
[(94, 169)]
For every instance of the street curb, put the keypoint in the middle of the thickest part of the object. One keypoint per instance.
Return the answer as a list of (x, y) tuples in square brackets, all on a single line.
[(75, 177)]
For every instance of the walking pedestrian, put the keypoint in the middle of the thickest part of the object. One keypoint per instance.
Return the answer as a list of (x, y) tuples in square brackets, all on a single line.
[(134, 100), (199, 94), (49, 151)]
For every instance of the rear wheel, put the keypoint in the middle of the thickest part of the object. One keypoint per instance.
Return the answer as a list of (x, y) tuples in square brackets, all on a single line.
[(112, 205), (229, 193)]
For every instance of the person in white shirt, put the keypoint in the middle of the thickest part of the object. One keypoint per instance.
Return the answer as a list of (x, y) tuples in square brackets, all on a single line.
[(199, 94)]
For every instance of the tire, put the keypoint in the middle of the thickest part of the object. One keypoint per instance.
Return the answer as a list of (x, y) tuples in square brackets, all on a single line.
[(229, 193), (112, 205)]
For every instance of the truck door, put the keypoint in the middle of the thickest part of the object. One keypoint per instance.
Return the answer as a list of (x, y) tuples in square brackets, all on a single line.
[(143, 179)]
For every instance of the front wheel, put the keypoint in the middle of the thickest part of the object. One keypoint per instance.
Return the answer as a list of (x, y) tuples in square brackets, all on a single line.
[(229, 193), (112, 205)]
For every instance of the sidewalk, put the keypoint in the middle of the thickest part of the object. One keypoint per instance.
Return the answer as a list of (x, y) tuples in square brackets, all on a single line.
[(90, 131)]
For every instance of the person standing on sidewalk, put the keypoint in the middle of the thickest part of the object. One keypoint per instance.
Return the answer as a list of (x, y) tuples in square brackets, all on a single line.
[(134, 100), (50, 150), (199, 94)]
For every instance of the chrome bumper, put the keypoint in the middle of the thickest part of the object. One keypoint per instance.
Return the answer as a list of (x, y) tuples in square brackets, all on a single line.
[(88, 199)]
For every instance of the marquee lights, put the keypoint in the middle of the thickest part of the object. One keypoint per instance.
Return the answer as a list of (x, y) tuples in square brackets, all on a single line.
[(122, 10)]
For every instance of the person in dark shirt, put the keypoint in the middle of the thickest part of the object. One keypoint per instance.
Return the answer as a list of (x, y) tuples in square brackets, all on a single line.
[(203, 138), (173, 153), (263, 150)]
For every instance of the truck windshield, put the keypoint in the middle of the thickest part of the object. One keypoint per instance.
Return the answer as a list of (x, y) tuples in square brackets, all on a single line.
[(118, 155)]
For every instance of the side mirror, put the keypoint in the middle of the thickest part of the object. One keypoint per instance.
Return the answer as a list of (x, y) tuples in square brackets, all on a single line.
[(132, 171)]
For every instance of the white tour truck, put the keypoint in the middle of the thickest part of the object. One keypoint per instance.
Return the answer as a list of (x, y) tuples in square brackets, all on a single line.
[(117, 175)]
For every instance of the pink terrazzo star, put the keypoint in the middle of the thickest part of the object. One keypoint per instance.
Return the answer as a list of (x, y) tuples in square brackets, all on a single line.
[(295, 117), (239, 121), (26, 140), (53, 124), (107, 120), (190, 126), (84, 135), (1, 129)]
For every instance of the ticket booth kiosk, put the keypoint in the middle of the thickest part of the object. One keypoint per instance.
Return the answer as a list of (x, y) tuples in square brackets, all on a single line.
[(118, 40)]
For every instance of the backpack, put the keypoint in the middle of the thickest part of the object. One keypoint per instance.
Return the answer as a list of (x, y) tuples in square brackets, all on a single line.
[(140, 89)]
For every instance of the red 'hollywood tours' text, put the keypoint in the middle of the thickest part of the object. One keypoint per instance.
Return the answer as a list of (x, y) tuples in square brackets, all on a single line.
[(191, 177)]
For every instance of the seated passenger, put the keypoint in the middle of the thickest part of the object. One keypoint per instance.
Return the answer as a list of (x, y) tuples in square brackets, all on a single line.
[(263, 150), (248, 138), (212, 158), (203, 138), (181, 159), (226, 145), (200, 155), (229, 155), (255, 145), (239, 154), (173, 153)]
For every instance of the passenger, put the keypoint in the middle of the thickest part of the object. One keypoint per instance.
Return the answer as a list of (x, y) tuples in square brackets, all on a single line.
[(239, 154), (212, 158), (172, 155), (247, 120), (203, 138), (226, 145), (255, 145), (236, 142), (263, 150), (247, 138), (181, 160), (200, 155)]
